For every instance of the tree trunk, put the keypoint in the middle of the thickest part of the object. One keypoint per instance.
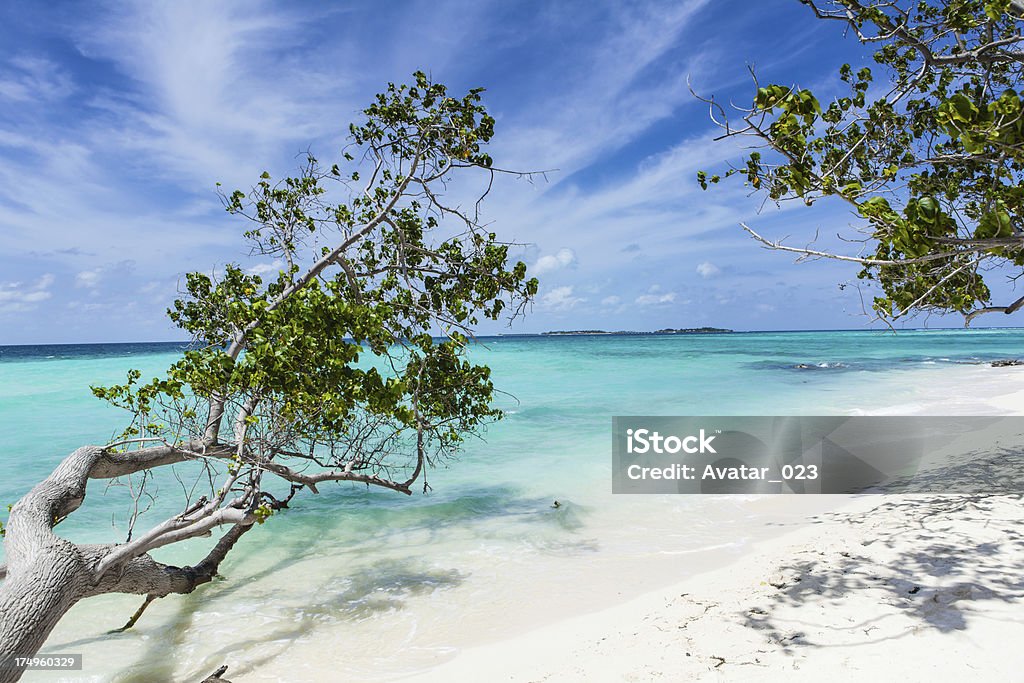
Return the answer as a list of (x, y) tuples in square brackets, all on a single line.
[(46, 574), (33, 599)]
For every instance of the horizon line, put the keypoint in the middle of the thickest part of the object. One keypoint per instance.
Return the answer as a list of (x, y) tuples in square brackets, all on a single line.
[(548, 334)]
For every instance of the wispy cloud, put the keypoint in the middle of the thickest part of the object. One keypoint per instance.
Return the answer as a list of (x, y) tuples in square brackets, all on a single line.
[(219, 87), (117, 121), (602, 95), (93, 278), (27, 78), (16, 297)]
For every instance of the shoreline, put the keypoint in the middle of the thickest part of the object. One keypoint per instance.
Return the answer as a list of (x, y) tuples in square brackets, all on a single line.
[(911, 585), (500, 594), (847, 595)]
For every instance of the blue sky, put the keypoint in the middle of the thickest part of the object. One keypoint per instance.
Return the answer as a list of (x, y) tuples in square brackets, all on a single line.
[(117, 120)]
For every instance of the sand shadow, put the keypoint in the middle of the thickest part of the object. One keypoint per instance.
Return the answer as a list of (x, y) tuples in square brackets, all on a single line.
[(934, 573)]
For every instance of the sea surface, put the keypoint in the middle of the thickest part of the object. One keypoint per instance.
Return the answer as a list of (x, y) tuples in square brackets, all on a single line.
[(382, 585)]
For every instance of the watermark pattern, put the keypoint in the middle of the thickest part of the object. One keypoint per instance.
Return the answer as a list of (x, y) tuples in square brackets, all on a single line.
[(855, 454), (44, 663)]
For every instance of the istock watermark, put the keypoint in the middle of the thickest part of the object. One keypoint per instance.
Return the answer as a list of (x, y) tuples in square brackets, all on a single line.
[(859, 454), (646, 441)]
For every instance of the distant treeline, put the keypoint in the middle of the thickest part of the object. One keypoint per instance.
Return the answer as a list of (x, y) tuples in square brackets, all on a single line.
[(667, 330)]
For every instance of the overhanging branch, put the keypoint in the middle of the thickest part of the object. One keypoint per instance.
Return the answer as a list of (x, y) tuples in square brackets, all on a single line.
[(865, 261), (1008, 310)]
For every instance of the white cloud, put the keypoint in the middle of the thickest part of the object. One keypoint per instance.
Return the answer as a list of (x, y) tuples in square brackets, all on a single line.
[(213, 93), (611, 300), (264, 268), (89, 279), (35, 296), (563, 258), (707, 269), (92, 278), (560, 299), (655, 297), (16, 296)]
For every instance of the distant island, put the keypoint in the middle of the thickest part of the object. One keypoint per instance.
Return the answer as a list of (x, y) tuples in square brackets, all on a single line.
[(667, 330)]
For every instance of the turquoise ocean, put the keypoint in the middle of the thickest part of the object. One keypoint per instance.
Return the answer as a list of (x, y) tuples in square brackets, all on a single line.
[(385, 585)]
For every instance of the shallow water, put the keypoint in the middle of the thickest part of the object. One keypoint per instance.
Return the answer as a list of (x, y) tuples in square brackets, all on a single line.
[(379, 585)]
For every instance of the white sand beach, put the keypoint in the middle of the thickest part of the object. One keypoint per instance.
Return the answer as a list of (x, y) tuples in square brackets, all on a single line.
[(484, 342), (909, 588), (732, 588), (900, 587)]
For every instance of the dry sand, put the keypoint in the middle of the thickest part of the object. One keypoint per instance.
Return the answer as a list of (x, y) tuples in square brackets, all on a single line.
[(901, 588), (889, 588)]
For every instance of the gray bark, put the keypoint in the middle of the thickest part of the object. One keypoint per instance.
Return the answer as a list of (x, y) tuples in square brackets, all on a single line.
[(46, 574)]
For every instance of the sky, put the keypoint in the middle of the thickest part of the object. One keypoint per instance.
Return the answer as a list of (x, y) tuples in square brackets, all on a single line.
[(117, 120)]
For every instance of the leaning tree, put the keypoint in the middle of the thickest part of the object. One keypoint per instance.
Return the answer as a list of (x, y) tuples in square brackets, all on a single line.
[(348, 366), (929, 159)]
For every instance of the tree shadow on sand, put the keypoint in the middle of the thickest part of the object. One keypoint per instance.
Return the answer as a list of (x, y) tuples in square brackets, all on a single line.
[(927, 559), (977, 472)]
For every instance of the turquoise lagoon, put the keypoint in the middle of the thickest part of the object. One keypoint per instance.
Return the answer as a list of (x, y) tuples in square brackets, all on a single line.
[(381, 585)]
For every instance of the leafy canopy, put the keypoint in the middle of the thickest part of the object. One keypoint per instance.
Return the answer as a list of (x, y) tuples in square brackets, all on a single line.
[(331, 369), (929, 156)]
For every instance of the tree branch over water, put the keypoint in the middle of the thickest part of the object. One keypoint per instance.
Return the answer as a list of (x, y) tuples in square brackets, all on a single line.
[(931, 162), (329, 371)]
